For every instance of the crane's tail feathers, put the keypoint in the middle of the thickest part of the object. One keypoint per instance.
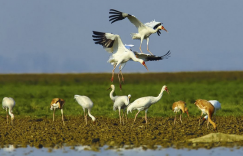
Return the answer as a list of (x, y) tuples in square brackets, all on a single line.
[(116, 15)]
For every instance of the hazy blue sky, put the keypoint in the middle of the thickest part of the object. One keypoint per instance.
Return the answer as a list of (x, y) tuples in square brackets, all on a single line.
[(55, 36)]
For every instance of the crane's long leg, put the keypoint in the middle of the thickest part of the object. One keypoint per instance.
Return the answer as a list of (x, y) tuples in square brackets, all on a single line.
[(85, 116), (119, 109), (200, 118), (148, 47), (62, 117), (141, 45), (7, 115), (54, 114), (112, 77), (146, 119), (180, 117), (136, 117), (124, 116), (175, 118), (207, 123)]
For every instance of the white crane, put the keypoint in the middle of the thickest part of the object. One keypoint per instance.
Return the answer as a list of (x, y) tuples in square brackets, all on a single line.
[(8, 103), (57, 103), (120, 54), (144, 103), (86, 103), (144, 30), (217, 106), (120, 102)]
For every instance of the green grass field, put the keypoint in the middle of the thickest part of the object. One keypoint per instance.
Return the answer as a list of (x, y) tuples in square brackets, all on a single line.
[(34, 92)]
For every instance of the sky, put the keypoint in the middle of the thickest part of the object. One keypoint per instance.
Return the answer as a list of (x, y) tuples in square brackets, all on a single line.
[(55, 36)]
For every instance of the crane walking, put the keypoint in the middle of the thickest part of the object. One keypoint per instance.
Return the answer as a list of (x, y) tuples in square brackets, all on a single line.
[(144, 103)]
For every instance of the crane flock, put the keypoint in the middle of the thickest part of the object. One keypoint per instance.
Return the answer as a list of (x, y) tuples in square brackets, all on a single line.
[(120, 55)]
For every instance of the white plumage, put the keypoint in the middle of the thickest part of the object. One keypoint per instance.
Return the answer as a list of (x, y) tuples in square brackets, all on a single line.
[(217, 106), (144, 103), (120, 102), (86, 103), (9, 103), (144, 30), (120, 54)]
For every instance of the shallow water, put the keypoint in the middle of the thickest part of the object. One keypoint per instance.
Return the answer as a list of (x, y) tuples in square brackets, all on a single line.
[(86, 150)]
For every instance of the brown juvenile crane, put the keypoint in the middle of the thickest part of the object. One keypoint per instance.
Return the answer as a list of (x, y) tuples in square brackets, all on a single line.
[(57, 103), (206, 108), (179, 106)]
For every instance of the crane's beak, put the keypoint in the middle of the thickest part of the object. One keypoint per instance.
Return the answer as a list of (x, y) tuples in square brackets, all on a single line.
[(163, 28), (145, 65), (109, 88), (166, 89), (187, 113)]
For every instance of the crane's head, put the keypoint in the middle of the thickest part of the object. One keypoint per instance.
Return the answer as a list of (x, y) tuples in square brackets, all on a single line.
[(165, 89), (186, 110), (111, 87), (163, 28), (129, 96), (143, 63)]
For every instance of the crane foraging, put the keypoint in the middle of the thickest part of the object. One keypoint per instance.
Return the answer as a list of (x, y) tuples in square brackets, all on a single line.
[(206, 108), (216, 105), (120, 102), (179, 106), (85, 103), (144, 103), (8, 104), (120, 54), (144, 30), (57, 103)]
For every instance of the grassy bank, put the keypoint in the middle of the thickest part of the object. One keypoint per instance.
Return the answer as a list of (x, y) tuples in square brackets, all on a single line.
[(34, 92)]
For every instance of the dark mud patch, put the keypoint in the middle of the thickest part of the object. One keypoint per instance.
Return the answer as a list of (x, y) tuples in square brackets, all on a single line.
[(43, 132)]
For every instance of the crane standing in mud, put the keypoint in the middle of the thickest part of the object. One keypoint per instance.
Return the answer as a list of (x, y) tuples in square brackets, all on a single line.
[(206, 108)]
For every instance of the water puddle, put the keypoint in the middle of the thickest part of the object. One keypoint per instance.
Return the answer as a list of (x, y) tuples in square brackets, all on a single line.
[(104, 151)]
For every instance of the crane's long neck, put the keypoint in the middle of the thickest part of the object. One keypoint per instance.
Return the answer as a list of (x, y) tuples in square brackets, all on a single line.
[(134, 58), (156, 99), (90, 115), (11, 114), (111, 94)]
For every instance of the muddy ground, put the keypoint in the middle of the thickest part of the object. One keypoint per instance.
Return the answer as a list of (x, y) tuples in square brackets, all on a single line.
[(43, 132)]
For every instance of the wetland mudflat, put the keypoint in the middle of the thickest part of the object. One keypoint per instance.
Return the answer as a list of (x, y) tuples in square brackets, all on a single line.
[(43, 132)]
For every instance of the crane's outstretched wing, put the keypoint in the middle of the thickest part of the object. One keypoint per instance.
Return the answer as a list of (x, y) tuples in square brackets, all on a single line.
[(147, 57), (117, 15), (111, 42)]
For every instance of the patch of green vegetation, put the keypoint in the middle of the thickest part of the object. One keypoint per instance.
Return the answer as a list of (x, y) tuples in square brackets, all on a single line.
[(34, 92)]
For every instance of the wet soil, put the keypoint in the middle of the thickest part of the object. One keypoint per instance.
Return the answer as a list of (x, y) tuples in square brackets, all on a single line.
[(43, 132)]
